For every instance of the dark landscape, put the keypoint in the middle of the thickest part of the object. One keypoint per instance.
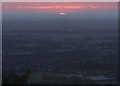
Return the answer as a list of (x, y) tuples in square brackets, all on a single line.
[(51, 48)]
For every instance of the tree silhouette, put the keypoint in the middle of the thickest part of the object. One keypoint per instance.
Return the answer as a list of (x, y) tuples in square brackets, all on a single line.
[(14, 78)]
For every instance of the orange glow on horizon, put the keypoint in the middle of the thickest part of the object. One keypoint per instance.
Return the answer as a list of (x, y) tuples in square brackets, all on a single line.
[(53, 7), (56, 7)]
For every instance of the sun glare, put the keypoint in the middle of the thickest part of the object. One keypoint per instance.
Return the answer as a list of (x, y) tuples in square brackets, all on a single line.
[(62, 14)]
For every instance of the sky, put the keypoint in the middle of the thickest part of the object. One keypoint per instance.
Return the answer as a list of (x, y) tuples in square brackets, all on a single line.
[(54, 6), (69, 8), (60, 0)]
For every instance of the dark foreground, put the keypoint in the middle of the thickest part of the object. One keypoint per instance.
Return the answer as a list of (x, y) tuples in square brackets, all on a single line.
[(60, 51)]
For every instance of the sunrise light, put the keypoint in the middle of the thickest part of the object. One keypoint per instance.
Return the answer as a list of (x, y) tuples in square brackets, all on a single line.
[(57, 7), (62, 14)]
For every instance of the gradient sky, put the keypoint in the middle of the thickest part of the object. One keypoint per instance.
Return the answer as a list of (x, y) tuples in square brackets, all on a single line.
[(60, 0), (54, 6)]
